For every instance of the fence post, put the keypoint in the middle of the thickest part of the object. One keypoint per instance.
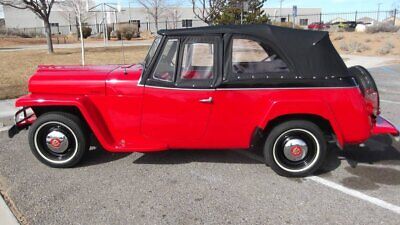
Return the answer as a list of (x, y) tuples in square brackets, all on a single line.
[(320, 17), (355, 18), (288, 18), (166, 25)]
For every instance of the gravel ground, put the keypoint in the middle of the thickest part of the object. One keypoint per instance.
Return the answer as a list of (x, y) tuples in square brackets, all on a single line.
[(206, 187)]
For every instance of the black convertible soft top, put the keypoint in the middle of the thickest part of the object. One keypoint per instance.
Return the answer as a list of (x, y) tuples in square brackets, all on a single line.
[(310, 54)]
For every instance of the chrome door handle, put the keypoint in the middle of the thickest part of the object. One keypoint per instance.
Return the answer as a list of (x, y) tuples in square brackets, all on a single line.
[(207, 100)]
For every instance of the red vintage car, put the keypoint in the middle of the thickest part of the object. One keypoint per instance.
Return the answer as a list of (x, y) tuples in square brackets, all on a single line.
[(221, 87), (318, 26)]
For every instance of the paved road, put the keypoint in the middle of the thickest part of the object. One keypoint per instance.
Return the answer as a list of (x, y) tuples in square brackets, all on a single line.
[(358, 186)]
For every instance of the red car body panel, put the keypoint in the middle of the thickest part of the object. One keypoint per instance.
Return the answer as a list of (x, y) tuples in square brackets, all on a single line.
[(126, 116)]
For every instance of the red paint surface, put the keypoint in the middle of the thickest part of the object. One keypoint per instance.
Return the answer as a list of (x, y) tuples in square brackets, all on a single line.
[(125, 116)]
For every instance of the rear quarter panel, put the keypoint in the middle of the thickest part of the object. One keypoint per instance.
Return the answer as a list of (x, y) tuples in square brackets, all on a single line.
[(238, 112)]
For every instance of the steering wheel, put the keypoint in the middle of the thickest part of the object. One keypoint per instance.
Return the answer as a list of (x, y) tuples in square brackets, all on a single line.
[(269, 57)]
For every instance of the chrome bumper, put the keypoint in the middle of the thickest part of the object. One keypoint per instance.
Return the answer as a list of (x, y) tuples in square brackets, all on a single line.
[(22, 121)]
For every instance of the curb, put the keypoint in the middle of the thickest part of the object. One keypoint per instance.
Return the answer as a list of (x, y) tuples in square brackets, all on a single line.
[(6, 216)]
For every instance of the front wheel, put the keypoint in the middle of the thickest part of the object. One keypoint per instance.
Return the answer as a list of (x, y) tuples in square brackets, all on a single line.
[(58, 139), (295, 148)]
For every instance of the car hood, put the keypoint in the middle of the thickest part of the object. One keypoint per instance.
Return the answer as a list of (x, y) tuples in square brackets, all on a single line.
[(70, 79)]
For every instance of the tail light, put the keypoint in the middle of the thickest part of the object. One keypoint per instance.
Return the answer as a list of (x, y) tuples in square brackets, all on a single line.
[(372, 100), (368, 88)]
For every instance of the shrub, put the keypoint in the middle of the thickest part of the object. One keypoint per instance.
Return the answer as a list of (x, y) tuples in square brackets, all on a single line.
[(128, 36), (119, 35), (357, 47), (338, 37), (386, 48), (127, 31), (344, 47), (86, 32), (382, 27)]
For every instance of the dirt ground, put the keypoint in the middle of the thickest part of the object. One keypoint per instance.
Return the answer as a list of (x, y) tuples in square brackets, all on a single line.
[(17, 67), (366, 44)]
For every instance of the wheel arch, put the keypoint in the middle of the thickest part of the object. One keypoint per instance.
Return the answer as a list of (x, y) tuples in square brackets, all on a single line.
[(81, 107), (330, 129), (310, 108)]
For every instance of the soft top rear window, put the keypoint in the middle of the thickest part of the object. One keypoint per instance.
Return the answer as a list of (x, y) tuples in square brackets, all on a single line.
[(250, 57)]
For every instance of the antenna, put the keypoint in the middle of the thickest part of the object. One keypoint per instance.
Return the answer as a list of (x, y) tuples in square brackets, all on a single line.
[(123, 50)]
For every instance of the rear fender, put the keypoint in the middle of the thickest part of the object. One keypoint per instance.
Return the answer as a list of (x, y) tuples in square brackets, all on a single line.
[(311, 108), (86, 107)]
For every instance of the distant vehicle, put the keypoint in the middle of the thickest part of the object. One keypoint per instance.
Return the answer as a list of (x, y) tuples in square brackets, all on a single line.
[(346, 25), (318, 26), (220, 87)]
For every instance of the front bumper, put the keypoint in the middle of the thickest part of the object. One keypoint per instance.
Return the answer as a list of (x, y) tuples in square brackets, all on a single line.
[(23, 119), (383, 126)]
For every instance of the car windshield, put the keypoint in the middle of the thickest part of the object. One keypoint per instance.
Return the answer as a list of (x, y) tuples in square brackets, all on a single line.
[(152, 50)]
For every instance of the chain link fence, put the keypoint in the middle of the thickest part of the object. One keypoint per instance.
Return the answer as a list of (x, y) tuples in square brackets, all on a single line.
[(367, 17)]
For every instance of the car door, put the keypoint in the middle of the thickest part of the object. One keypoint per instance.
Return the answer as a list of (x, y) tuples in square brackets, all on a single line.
[(243, 97), (179, 92)]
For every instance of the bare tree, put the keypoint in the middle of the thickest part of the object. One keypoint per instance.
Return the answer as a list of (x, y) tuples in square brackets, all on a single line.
[(80, 10), (42, 8), (208, 10), (155, 8), (174, 15)]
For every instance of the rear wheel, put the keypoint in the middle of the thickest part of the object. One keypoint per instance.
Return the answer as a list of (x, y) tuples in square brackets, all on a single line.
[(58, 139), (295, 148)]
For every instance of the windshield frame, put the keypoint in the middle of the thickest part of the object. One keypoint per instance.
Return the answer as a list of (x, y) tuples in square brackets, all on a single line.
[(152, 50)]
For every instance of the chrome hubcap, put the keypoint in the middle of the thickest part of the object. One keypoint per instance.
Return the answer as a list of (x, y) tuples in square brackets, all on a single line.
[(57, 141), (295, 149)]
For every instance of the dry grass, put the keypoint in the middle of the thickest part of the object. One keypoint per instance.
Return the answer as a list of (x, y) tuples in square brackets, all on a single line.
[(13, 41), (365, 44), (16, 67)]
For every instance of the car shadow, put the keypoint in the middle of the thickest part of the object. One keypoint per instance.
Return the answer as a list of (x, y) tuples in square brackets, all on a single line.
[(370, 166), (379, 150), (97, 155), (189, 156)]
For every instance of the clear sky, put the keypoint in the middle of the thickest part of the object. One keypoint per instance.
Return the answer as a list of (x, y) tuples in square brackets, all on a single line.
[(326, 5)]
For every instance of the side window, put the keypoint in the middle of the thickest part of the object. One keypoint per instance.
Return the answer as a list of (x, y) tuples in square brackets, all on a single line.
[(198, 61), (249, 56), (166, 65)]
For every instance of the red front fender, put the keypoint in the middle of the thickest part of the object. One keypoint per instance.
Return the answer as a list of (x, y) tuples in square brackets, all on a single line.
[(86, 107)]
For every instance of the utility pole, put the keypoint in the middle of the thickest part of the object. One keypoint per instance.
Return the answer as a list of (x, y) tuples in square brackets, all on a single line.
[(379, 10)]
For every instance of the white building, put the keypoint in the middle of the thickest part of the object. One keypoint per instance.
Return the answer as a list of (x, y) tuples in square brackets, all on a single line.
[(63, 21)]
